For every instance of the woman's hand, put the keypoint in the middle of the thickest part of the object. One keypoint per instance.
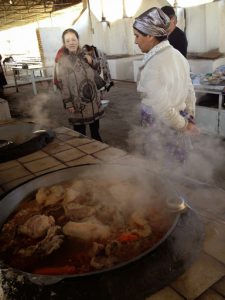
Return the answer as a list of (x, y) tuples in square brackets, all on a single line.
[(71, 109), (192, 129), (88, 59)]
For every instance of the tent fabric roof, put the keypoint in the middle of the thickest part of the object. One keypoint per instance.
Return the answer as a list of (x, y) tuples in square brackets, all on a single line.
[(21, 12)]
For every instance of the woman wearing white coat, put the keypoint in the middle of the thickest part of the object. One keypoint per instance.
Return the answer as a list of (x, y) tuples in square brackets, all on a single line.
[(167, 94)]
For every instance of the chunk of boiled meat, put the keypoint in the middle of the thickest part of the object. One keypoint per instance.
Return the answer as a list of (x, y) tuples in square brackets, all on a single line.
[(36, 226), (51, 242), (50, 195), (77, 212), (86, 230)]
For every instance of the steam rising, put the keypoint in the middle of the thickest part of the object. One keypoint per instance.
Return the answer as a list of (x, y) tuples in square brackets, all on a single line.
[(45, 109), (130, 187), (199, 180), (204, 154)]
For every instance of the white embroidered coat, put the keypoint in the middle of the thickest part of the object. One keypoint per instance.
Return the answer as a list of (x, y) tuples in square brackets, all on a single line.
[(165, 85)]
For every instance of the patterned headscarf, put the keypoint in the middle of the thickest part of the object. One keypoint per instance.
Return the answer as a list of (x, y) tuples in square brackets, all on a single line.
[(153, 22)]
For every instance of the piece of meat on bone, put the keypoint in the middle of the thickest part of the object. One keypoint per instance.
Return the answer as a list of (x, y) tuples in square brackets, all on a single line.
[(36, 226), (52, 241), (110, 214), (72, 193), (79, 191), (50, 195), (104, 255), (89, 230)]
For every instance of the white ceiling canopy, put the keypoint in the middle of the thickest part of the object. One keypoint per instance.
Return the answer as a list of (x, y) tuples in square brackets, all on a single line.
[(188, 3)]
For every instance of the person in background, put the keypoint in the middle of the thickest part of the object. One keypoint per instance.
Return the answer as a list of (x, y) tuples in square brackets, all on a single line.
[(167, 94), (2, 79), (177, 37), (77, 83), (97, 60)]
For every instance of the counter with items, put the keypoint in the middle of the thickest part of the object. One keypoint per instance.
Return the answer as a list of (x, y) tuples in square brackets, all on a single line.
[(210, 113)]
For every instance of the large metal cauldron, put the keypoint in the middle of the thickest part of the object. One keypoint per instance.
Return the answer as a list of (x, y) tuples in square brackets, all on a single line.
[(109, 283)]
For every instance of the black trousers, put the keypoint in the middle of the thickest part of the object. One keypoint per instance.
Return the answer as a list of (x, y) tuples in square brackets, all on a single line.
[(94, 129)]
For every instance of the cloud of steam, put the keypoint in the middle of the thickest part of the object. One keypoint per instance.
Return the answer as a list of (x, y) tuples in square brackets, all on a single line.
[(45, 109), (204, 159)]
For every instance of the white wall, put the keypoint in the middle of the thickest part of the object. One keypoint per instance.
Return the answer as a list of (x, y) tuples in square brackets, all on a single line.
[(51, 42), (221, 21), (205, 65), (146, 4), (123, 68), (195, 18), (203, 27), (116, 37), (82, 26), (205, 30), (212, 26), (19, 41)]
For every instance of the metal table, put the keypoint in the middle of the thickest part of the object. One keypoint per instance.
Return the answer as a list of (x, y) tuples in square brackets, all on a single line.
[(31, 77), (211, 119)]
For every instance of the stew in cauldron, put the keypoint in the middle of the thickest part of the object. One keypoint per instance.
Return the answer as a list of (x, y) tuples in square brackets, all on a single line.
[(84, 225)]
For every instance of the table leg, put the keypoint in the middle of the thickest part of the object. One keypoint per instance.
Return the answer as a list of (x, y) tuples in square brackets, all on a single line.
[(14, 75), (220, 107), (33, 82)]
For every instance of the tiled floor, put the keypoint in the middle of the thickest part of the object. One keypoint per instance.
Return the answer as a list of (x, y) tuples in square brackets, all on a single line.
[(205, 279)]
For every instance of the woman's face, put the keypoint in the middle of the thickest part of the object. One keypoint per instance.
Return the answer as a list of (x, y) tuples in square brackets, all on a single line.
[(145, 43), (71, 42)]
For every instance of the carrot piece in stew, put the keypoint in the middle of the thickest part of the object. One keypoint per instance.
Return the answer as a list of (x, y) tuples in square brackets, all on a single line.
[(55, 270), (128, 237)]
